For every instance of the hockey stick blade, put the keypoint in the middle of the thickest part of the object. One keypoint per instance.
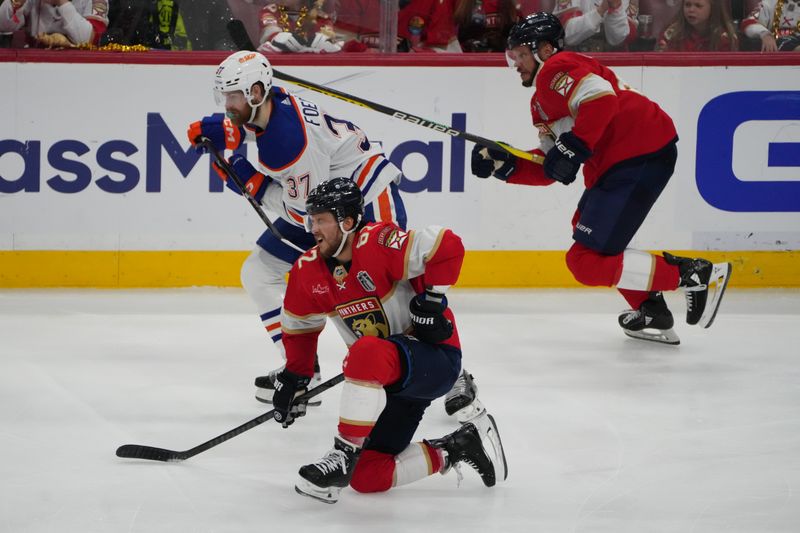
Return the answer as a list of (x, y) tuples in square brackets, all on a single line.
[(151, 453), (238, 33)]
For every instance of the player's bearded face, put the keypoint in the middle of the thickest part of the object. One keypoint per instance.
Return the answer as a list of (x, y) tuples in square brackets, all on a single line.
[(521, 59), (326, 231), (236, 108)]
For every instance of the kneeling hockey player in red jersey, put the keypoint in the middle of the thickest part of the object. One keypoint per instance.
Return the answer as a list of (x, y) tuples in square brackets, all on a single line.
[(627, 146), (384, 289)]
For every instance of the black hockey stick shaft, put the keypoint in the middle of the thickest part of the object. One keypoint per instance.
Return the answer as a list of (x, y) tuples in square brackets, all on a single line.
[(239, 35), (139, 451), (226, 167)]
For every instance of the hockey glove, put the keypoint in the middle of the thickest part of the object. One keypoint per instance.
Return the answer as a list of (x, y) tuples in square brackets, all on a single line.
[(563, 160), (254, 181), (427, 316), (488, 161), (219, 129), (288, 386)]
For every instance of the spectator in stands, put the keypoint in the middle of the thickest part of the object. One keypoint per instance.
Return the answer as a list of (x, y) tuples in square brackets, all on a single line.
[(151, 23), (602, 26), (776, 23), (700, 26), (56, 23), (422, 25), (483, 24), (304, 26)]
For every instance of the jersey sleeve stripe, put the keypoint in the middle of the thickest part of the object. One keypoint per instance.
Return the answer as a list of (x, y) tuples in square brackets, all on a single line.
[(385, 206), (435, 246), (591, 87), (375, 174), (362, 176)]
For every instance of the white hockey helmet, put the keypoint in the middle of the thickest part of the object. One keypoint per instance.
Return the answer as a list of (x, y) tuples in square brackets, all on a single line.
[(239, 72)]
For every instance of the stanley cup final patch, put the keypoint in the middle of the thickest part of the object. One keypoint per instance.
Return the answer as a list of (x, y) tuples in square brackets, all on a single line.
[(366, 282)]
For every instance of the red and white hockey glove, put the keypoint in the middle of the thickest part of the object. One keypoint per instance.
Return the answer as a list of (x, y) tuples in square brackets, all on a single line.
[(219, 130)]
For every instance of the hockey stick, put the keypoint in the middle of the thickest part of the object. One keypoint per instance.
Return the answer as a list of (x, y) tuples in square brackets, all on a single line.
[(239, 35), (226, 167), (139, 451)]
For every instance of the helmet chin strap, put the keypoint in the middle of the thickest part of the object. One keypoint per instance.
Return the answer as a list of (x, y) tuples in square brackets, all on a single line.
[(345, 233), (254, 108)]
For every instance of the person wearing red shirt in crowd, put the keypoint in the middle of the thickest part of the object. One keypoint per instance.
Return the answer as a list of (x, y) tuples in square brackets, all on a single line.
[(627, 146), (422, 25), (700, 26), (483, 25)]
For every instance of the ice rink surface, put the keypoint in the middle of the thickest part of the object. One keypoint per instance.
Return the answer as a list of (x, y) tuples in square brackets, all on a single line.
[(602, 433)]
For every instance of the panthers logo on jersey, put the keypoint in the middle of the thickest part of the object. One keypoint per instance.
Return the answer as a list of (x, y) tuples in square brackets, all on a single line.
[(365, 317)]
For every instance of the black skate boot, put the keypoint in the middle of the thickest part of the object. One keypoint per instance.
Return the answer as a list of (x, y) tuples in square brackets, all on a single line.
[(462, 400), (478, 444), (651, 322), (326, 478), (265, 385), (698, 277)]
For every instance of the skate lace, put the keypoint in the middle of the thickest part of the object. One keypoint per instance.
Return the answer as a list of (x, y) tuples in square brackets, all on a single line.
[(333, 460), (633, 314)]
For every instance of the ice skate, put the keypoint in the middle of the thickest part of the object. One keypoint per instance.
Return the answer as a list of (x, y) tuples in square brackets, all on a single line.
[(265, 385), (704, 283), (651, 322), (462, 400), (476, 443), (326, 478)]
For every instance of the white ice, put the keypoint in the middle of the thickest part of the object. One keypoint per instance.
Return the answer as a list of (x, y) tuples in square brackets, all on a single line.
[(603, 433)]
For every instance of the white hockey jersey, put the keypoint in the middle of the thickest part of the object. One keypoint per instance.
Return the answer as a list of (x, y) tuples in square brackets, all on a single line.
[(303, 146), (583, 25)]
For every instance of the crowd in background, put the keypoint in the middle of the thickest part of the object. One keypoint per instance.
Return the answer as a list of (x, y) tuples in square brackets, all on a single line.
[(470, 26)]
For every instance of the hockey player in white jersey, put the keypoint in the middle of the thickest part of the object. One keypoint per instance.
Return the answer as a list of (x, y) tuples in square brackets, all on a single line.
[(299, 146)]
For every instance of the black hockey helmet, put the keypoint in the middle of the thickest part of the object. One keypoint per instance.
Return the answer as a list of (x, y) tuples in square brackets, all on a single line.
[(340, 196), (536, 28)]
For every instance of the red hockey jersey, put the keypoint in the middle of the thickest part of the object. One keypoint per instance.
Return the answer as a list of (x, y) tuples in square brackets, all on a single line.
[(370, 295), (616, 122)]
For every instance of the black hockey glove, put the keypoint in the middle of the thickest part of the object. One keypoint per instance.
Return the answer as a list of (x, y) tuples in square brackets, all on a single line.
[(288, 385), (427, 315), (564, 159), (488, 161)]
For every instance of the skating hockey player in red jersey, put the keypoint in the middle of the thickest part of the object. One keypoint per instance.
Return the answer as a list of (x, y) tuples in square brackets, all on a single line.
[(627, 146), (384, 289), (299, 146)]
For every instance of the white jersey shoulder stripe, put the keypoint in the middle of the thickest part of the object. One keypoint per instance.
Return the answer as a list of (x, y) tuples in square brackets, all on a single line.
[(591, 87)]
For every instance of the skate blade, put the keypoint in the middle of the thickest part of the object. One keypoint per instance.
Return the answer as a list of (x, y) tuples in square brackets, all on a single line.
[(663, 336), (328, 495), (720, 275), (492, 445)]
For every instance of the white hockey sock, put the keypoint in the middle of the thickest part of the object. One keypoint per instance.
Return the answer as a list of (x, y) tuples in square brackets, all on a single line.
[(412, 464), (360, 405), (638, 269)]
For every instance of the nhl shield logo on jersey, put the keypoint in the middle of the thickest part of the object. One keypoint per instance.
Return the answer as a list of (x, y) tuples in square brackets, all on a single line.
[(365, 317), (562, 83), (366, 282), (392, 237)]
